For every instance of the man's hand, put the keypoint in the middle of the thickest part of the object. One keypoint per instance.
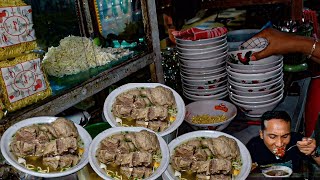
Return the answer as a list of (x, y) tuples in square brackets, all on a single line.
[(307, 146)]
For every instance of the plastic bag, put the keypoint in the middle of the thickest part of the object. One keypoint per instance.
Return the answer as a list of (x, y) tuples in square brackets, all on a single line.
[(23, 82)]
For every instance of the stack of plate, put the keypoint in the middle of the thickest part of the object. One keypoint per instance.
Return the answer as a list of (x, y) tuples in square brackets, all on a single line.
[(202, 67), (255, 86)]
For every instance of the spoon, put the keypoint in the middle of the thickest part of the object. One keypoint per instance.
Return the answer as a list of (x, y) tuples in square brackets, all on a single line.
[(291, 147)]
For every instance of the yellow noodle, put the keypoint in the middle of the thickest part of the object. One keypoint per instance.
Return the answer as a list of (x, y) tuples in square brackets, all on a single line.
[(6, 3), (208, 119), (16, 50)]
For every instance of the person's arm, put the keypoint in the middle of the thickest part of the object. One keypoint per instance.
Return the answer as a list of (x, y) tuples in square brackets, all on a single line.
[(308, 146), (284, 43)]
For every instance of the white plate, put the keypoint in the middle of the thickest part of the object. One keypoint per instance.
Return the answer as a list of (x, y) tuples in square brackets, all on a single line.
[(112, 96), (6, 140), (245, 155), (109, 132)]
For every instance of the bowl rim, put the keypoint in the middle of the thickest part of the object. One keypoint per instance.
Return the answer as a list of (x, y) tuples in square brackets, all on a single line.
[(288, 170), (255, 76), (6, 140), (256, 85), (205, 72), (202, 77), (255, 97), (269, 72), (224, 53), (111, 98), (240, 66), (218, 83), (258, 106), (215, 124), (185, 61), (116, 130), (209, 90), (213, 92), (207, 79), (206, 97), (244, 152), (235, 91), (201, 44), (210, 50), (203, 49), (257, 102), (202, 40), (186, 68), (257, 71)]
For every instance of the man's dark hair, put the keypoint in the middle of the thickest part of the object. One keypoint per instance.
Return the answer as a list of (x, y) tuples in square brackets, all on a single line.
[(274, 115)]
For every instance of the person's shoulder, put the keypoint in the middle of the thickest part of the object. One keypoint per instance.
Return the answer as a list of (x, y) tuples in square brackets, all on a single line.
[(254, 140)]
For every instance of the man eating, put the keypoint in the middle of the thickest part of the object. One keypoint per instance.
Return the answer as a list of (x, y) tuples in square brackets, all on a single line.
[(277, 145)]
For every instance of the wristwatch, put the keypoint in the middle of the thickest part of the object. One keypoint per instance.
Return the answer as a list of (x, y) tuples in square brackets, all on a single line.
[(316, 153)]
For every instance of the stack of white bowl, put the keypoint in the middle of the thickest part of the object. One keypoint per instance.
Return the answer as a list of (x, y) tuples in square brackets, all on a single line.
[(202, 67), (256, 87)]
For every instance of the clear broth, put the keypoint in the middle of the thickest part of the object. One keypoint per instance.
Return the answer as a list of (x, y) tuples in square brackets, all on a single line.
[(277, 173)]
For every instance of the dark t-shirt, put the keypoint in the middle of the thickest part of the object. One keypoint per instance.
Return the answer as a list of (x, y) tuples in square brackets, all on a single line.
[(263, 156)]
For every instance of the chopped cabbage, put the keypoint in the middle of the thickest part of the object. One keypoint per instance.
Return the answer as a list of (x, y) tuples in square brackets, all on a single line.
[(76, 54)]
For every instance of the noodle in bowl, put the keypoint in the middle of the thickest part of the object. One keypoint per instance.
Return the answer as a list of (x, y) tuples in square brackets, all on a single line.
[(169, 133), (244, 165), (18, 162), (105, 173)]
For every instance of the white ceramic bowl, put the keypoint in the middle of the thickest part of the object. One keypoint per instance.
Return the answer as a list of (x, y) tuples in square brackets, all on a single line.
[(245, 155), (212, 97), (282, 168), (205, 87), (200, 41), (261, 98), (274, 63), (202, 45), (212, 108), (117, 130), (255, 76), (203, 63), (257, 91), (236, 84), (212, 72), (242, 56), (203, 69), (255, 82), (257, 110), (203, 50), (167, 134), (204, 76), (254, 71), (206, 81), (204, 56), (215, 91), (11, 159), (257, 102)]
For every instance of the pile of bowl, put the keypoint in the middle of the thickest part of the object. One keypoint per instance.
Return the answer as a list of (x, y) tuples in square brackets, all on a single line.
[(255, 86), (202, 67)]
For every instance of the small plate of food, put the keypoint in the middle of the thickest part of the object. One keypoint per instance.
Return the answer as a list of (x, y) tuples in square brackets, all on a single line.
[(46, 146), (277, 171)]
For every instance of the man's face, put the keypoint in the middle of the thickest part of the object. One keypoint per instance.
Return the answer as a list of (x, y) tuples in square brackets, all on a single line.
[(276, 135)]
